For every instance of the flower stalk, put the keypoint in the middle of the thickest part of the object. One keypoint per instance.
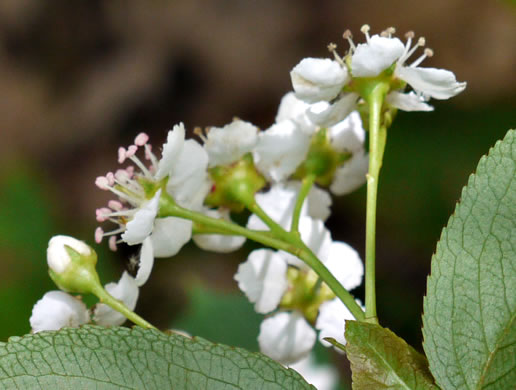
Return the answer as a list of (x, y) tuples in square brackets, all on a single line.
[(377, 138)]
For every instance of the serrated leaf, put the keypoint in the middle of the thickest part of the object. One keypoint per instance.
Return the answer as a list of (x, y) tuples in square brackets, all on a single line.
[(94, 357), (381, 360), (470, 307)]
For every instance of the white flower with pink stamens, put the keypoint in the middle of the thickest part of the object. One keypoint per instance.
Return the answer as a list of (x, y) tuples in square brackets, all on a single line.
[(181, 172)]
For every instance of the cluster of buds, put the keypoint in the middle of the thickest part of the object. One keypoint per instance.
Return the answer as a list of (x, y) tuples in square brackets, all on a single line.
[(317, 138)]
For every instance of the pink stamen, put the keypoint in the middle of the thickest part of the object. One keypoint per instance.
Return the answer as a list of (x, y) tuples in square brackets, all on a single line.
[(112, 243), (102, 214), (121, 175), (122, 155), (99, 233), (148, 152), (115, 205), (102, 183), (131, 151), (141, 139), (110, 178)]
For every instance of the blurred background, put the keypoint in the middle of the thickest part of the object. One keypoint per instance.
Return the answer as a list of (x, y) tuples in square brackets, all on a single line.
[(79, 79)]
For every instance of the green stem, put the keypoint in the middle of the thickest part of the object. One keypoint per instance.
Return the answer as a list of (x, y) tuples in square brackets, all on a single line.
[(306, 185), (289, 242), (117, 305), (275, 227), (377, 138)]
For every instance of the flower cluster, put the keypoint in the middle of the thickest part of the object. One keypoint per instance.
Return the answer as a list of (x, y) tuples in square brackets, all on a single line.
[(283, 175)]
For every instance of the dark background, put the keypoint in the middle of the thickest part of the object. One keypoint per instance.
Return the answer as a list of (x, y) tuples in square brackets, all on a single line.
[(78, 79)]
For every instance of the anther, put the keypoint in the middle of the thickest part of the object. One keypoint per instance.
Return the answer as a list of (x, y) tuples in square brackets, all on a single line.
[(365, 30), (348, 36), (115, 205), (199, 132), (110, 178), (429, 52), (409, 35), (101, 215), (141, 139), (331, 47), (112, 243), (102, 183), (121, 155), (131, 151), (99, 233), (421, 41)]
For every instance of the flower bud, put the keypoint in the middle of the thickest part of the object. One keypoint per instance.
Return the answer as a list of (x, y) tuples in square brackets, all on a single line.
[(72, 265)]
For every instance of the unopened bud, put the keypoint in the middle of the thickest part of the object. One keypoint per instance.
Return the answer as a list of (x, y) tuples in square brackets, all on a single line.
[(72, 265)]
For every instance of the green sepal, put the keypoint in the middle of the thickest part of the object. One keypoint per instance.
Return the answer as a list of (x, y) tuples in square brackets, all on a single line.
[(80, 276)]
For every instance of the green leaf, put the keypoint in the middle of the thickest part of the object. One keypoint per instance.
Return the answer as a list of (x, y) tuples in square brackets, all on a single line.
[(94, 357), (470, 307), (381, 360)]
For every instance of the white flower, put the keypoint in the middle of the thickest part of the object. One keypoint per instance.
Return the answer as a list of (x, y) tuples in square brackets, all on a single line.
[(58, 258), (286, 337), (57, 310), (126, 290), (322, 376), (381, 52), (263, 279), (228, 144), (316, 79), (184, 167), (280, 150), (220, 243), (331, 321)]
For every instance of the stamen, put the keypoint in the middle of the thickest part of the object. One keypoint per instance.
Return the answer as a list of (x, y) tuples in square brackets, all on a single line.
[(110, 178), (112, 243), (131, 151), (130, 171), (347, 35), (115, 205), (365, 30), (102, 183), (420, 42), (99, 233), (198, 132), (140, 165), (102, 214), (141, 139), (409, 35), (427, 53), (121, 155), (331, 49)]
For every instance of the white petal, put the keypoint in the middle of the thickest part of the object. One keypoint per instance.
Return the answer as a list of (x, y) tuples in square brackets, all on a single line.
[(322, 376), (171, 150), (294, 109), (319, 203), (437, 83), (140, 227), (57, 310), (372, 58), (229, 143), (58, 258), (286, 337), (263, 279), (326, 115), (126, 290), (219, 243), (170, 235), (146, 262), (316, 79), (345, 264), (280, 150), (331, 320), (348, 135), (408, 101), (188, 175), (351, 175)]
